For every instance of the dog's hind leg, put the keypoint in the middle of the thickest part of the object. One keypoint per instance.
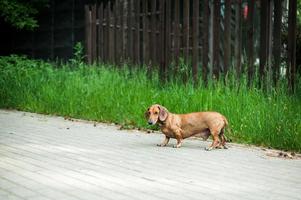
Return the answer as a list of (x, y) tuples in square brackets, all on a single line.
[(215, 142), (223, 139)]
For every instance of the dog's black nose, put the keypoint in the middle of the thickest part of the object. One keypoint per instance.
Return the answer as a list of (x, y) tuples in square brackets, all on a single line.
[(150, 123)]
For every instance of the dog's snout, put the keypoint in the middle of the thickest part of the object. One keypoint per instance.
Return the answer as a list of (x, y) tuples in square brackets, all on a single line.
[(150, 122)]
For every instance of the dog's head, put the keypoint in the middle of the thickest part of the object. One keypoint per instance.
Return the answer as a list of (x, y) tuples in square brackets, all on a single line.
[(156, 113)]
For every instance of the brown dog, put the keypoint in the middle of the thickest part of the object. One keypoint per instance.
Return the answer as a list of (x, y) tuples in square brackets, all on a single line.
[(181, 126)]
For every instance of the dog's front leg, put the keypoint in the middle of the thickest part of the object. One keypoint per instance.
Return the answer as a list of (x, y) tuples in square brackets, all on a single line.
[(164, 143), (179, 138)]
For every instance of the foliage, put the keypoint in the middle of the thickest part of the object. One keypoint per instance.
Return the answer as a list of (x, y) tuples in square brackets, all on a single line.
[(298, 38), (78, 55), (104, 93), (20, 13)]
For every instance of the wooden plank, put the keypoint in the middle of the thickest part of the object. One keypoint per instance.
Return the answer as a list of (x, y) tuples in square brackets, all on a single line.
[(205, 39), (129, 32), (162, 43), (158, 33), (145, 37), (116, 32), (216, 40), (122, 31), (264, 13), (137, 32), (238, 37), (277, 39), (153, 32), (186, 30), (250, 41), (100, 32), (177, 36), (88, 33), (195, 41), (292, 27), (111, 33), (269, 80), (106, 34), (167, 39), (93, 33), (133, 31), (227, 36)]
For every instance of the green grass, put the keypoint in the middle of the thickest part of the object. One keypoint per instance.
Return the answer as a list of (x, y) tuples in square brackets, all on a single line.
[(103, 93)]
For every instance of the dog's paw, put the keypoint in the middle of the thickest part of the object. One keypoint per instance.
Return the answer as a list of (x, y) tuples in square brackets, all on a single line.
[(208, 148), (161, 145), (176, 146)]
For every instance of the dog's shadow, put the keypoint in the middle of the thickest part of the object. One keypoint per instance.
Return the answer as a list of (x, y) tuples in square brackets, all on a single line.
[(185, 145)]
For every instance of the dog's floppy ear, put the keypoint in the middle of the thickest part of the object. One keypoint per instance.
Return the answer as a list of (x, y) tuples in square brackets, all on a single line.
[(163, 113)]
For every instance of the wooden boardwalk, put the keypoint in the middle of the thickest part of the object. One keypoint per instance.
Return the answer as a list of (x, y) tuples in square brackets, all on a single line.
[(44, 157)]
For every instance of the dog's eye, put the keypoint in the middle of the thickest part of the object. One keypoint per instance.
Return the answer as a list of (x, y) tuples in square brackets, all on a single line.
[(156, 113)]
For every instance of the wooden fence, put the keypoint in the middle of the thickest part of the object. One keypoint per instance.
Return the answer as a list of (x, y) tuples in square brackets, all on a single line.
[(211, 37)]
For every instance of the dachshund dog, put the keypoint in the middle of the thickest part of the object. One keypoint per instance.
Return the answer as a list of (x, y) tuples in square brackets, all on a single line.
[(181, 126)]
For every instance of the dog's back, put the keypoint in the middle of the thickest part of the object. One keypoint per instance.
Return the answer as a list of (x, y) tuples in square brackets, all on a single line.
[(198, 122)]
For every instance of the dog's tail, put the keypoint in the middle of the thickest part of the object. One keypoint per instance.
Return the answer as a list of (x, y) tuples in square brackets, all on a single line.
[(229, 130), (226, 121), (222, 133)]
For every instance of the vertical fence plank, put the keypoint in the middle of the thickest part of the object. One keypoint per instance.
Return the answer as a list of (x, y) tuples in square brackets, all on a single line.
[(137, 32), (292, 45), (122, 53), (277, 39), (93, 33), (162, 43), (186, 29), (216, 40), (146, 37), (153, 32), (129, 31), (227, 36), (158, 35), (177, 35), (264, 13), (88, 31), (205, 48), (111, 33), (238, 37), (167, 39), (133, 31), (269, 80), (106, 33), (250, 41), (115, 30), (195, 41), (118, 34), (100, 32)]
